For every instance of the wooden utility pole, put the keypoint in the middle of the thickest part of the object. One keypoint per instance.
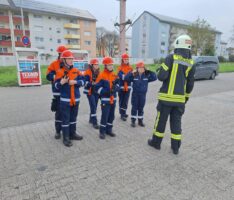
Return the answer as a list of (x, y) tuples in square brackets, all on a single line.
[(122, 30)]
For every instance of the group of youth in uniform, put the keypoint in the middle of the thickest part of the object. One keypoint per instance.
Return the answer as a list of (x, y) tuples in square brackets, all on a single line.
[(106, 86)]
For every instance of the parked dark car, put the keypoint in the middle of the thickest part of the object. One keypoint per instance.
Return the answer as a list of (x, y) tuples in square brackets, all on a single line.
[(207, 67)]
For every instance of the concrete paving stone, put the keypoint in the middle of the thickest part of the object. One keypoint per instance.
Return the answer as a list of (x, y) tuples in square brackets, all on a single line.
[(36, 166)]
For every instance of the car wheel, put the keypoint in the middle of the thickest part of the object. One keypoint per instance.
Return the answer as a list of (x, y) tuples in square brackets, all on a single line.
[(212, 76)]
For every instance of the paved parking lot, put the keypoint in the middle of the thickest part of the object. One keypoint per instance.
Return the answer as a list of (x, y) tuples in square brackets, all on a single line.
[(36, 166)]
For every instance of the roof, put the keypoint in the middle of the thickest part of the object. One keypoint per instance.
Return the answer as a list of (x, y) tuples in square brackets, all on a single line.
[(171, 20), (37, 6), (4, 3)]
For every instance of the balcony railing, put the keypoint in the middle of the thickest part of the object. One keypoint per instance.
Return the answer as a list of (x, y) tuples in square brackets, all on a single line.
[(72, 36), (70, 25), (72, 46)]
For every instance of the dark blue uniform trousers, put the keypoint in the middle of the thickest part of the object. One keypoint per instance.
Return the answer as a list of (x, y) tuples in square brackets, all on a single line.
[(58, 120), (123, 102), (138, 103), (175, 113), (107, 118), (93, 101), (69, 116)]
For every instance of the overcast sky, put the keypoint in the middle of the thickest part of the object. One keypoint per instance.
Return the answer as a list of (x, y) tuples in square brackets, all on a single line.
[(219, 13)]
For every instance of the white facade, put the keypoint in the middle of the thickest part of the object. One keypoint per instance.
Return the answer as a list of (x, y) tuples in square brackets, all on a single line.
[(223, 50), (153, 35), (47, 32)]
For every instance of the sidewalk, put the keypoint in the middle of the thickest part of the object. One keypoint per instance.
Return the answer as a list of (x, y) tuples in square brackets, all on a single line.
[(36, 166)]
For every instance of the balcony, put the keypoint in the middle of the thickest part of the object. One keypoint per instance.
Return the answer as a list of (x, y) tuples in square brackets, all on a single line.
[(17, 20), (72, 46), (4, 19), (5, 31), (16, 31), (5, 43), (20, 32), (6, 54), (8, 43), (70, 25), (72, 36), (19, 44)]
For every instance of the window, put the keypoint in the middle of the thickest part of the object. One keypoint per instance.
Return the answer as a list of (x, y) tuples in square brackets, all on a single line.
[(163, 34), (87, 33), (74, 21), (58, 41), (51, 39), (73, 41), (49, 17), (18, 38), (39, 39), (162, 43), (87, 23), (17, 14), (2, 25), (50, 28), (51, 50), (37, 16), (3, 50), (58, 30), (40, 47), (18, 27), (5, 37), (38, 28), (87, 42), (2, 13)]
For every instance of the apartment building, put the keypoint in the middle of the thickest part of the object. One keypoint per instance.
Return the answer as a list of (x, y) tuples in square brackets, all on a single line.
[(47, 26), (153, 35)]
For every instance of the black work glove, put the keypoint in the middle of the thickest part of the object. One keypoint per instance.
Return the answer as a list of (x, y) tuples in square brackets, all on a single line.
[(147, 72), (186, 99), (54, 105)]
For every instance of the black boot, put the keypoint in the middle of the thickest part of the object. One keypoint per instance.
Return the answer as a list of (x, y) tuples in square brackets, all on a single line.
[(76, 137), (90, 120), (111, 134), (123, 118), (126, 115), (133, 124), (67, 142), (57, 135), (153, 143), (102, 136), (175, 151), (140, 123), (175, 145), (96, 126)]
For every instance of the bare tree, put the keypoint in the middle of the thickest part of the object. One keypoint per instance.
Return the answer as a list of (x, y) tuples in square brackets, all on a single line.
[(111, 40), (106, 42), (203, 37), (100, 44), (232, 37)]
